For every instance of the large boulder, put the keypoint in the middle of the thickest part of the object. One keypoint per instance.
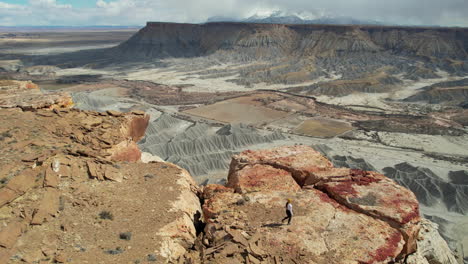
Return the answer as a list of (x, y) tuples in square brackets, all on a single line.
[(376, 195), (341, 215), (322, 230), (260, 177), (301, 161)]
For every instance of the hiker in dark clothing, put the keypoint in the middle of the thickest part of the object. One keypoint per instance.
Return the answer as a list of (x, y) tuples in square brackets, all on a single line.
[(289, 212)]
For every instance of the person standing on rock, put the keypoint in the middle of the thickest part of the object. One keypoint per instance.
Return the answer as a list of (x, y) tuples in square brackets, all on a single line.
[(289, 212)]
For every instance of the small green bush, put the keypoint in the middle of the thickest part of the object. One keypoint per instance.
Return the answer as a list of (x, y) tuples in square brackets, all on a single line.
[(126, 236), (106, 215)]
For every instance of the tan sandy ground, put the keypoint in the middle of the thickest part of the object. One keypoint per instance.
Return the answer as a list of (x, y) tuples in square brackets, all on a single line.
[(239, 110), (322, 128)]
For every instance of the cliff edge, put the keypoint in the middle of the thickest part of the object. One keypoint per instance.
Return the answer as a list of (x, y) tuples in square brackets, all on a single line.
[(73, 188), (341, 215)]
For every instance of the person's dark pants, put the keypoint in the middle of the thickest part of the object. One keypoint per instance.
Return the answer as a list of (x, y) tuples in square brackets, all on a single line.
[(288, 216)]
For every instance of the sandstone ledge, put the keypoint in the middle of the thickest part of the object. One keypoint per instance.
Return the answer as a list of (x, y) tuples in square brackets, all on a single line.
[(72, 183)]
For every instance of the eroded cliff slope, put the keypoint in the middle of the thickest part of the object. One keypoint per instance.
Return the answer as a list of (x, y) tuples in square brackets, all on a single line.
[(73, 189)]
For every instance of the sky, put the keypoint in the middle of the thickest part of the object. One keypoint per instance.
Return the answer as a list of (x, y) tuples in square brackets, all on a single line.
[(138, 12)]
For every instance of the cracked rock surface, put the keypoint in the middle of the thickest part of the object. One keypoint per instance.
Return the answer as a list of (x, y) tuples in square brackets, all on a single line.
[(341, 215)]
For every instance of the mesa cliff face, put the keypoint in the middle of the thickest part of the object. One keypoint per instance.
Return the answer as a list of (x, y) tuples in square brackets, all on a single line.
[(271, 40), (372, 59)]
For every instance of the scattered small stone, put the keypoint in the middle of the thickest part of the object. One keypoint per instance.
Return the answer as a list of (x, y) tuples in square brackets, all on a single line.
[(126, 236), (149, 176), (60, 258), (79, 248), (240, 202), (4, 181), (61, 203), (151, 257), (116, 251)]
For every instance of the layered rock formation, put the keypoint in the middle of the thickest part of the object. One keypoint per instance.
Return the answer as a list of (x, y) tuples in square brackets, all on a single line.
[(370, 59), (340, 215), (300, 53), (27, 95), (266, 40), (73, 189), (455, 92), (431, 189), (198, 147)]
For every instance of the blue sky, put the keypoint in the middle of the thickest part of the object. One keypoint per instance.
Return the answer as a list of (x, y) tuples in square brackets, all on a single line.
[(74, 3), (138, 12)]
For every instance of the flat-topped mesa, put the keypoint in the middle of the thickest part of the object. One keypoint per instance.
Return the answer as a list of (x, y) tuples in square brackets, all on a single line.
[(343, 209), (270, 41)]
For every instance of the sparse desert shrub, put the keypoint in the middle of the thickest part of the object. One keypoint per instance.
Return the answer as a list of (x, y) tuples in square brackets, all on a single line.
[(106, 215), (5, 135), (151, 258), (126, 236), (240, 202)]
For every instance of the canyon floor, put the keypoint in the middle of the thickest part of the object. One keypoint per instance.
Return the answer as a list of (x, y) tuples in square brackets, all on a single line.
[(200, 116)]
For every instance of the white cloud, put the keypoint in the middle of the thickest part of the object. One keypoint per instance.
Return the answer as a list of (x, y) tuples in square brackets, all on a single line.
[(47, 4), (137, 12)]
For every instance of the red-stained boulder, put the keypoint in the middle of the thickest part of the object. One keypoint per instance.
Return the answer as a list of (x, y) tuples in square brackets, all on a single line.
[(357, 216), (262, 177), (322, 230), (301, 161), (376, 195)]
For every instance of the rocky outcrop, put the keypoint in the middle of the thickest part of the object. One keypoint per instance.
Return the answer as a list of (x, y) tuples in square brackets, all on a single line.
[(64, 172), (453, 92), (335, 210), (431, 247), (27, 95)]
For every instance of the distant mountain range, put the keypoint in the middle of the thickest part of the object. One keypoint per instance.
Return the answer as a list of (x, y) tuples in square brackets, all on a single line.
[(63, 28), (281, 17)]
